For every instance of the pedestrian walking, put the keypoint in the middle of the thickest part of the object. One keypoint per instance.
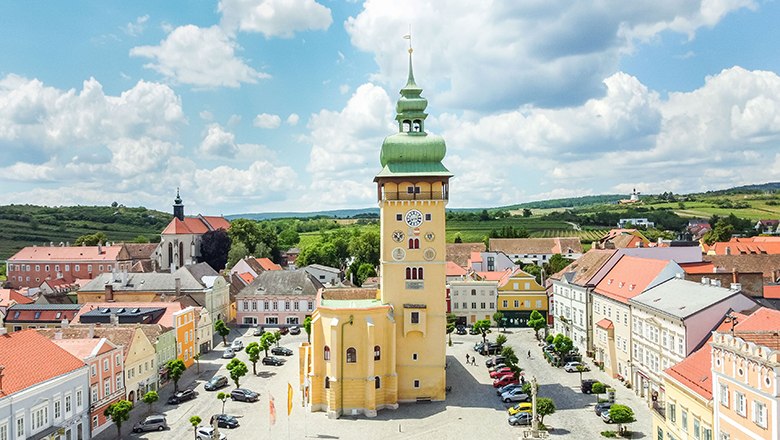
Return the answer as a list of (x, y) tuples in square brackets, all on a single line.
[(529, 354), (473, 360), (467, 358)]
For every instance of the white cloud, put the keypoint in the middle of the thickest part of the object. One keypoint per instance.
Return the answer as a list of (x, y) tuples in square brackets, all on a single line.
[(218, 142), (206, 115), (265, 120), (514, 53), (133, 157), (262, 182), (202, 57), (136, 28), (274, 18), (293, 119), (344, 89)]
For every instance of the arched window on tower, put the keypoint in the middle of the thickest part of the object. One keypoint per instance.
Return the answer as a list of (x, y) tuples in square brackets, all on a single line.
[(377, 382), (406, 126), (351, 355), (408, 273), (414, 243), (377, 353), (326, 353), (327, 382), (181, 254), (416, 125), (170, 254)]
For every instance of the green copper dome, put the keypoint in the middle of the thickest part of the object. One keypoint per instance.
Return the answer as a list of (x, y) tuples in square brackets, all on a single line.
[(412, 150)]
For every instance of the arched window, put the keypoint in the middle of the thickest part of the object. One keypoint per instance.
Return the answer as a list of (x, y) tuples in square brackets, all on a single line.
[(420, 273), (351, 355), (406, 126), (414, 273), (377, 352), (416, 126), (408, 273), (170, 254), (326, 353), (377, 382), (181, 254), (414, 243), (327, 382)]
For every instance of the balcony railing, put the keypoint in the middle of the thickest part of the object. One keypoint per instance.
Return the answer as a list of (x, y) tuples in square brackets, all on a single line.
[(422, 195), (660, 409)]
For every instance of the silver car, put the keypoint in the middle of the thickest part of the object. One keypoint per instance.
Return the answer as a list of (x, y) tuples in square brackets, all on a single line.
[(237, 345), (151, 423), (514, 395), (228, 353), (207, 433)]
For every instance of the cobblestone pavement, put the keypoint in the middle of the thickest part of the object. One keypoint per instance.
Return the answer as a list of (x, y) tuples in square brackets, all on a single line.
[(471, 410)]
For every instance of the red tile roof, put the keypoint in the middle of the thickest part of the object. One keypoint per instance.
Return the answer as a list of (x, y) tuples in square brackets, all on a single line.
[(8, 295), (753, 245), (453, 270), (772, 292), (695, 372), (30, 358), (698, 268), (82, 348), (605, 324), (763, 319), (247, 277), (66, 253), (43, 313), (629, 277), (493, 276), (267, 264), (196, 225)]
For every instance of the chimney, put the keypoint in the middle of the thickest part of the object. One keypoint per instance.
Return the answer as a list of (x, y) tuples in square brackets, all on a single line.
[(178, 287), (735, 286), (64, 323), (114, 319), (123, 275), (100, 249), (109, 292), (91, 331), (57, 335), (705, 280)]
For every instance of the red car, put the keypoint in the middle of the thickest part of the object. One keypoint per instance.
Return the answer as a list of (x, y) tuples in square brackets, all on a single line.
[(505, 380), (500, 372)]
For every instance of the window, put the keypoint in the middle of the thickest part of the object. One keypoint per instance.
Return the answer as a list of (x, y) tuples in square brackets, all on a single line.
[(414, 243), (414, 356), (57, 409), (105, 364), (326, 353), (492, 306), (377, 353), (481, 305), (474, 305), (706, 434), (95, 421), (538, 304), (68, 407), (684, 418), (94, 392), (327, 383), (671, 412), (20, 427), (414, 273), (37, 267), (413, 190), (465, 306), (473, 291), (724, 436), (118, 382), (399, 217), (428, 217), (67, 268), (266, 306), (296, 306), (351, 355), (275, 305), (272, 320), (39, 418), (89, 268), (759, 413), (416, 383), (739, 403), (4, 432), (106, 387), (94, 370), (311, 305), (287, 305), (46, 268), (76, 267), (505, 304), (416, 317), (377, 384), (660, 434), (118, 359), (517, 303), (455, 306), (696, 429)]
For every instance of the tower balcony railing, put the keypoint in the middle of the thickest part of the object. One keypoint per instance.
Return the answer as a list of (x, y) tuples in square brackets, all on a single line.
[(422, 195)]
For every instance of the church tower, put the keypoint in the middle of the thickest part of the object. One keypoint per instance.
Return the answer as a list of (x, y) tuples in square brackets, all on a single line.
[(412, 191), (178, 207)]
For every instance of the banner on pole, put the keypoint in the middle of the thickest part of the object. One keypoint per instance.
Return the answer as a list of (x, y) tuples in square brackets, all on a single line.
[(289, 398)]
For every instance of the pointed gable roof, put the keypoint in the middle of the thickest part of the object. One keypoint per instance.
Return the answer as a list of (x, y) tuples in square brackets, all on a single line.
[(267, 264), (9, 295), (196, 225), (630, 277), (453, 270), (695, 372), (584, 268)]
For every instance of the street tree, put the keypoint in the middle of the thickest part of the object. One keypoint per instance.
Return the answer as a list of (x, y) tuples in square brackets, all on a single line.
[(196, 358), (195, 422), (562, 345), (277, 337), (482, 326), (498, 318), (223, 397), (253, 350), (266, 342), (176, 368), (237, 370), (222, 330), (119, 412), (307, 328), (537, 322), (149, 398), (598, 389), (450, 329), (544, 407), (621, 414), (500, 339), (580, 369)]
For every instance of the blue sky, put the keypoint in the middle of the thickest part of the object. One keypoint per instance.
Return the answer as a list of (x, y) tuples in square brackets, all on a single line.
[(269, 105)]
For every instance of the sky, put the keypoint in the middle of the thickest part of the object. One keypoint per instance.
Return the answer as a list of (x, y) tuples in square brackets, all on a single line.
[(282, 105)]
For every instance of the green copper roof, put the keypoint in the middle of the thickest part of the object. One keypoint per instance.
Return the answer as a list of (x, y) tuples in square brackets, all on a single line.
[(412, 151)]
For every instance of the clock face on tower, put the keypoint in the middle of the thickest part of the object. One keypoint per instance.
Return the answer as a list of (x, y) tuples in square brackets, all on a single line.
[(414, 218)]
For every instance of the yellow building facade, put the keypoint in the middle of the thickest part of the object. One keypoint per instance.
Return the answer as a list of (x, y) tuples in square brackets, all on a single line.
[(518, 295), (374, 349)]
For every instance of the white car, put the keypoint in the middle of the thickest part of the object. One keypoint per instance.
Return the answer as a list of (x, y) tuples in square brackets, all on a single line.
[(205, 433), (237, 345), (228, 353), (571, 367), (515, 395)]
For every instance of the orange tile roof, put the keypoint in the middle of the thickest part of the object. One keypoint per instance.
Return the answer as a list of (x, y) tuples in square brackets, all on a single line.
[(8, 295), (772, 292), (459, 252), (493, 276), (695, 372), (267, 264), (753, 245), (81, 348), (698, 268), (629, 277), (763, 319), (30, 358), (453, 270), (67, 253), (246, 276), (217, 222), (166, 320), (196, 225), (605, 324)]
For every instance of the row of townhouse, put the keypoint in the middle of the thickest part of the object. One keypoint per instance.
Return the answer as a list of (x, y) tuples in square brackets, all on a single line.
[(727, 389)]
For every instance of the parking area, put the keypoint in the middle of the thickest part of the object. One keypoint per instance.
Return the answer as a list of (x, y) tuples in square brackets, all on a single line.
[(472, 409)]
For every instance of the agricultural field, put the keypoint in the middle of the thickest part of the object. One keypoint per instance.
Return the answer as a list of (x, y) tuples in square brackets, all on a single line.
[(759, 209)]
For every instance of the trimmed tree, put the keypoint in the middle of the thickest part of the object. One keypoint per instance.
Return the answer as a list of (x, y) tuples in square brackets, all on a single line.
[(223, 397), (544, 407), (266, 341), (195, 422), (277, 337), (598, 389), (237, 370), (307, 327), (621, 414), (253, 350), (563, 345), (450, 329), (500, 339), (537, 322), (149, 398), (223, 330), (176, 368), (119, 412), (580, 369), (483, 326), (498, 318), (196, 358)]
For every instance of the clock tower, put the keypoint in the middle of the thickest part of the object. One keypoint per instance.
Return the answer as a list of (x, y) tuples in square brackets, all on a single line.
[(412, 190)]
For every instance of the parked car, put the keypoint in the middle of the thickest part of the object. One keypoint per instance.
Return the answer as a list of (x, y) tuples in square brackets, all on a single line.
[(228, 353), (491, 349), (495, 360), (602, 406), (151, 423), (505, 380), (216, 383), (586, 385), (207, 432), (515, 395), (182, 396), (605, 417), (224, 421), (284, 330), (497, 367), (549, 348), (500, 372), (572, 367), (505, 388), (526, 407), (271, 360), (237, 345), (460, 331), (521, 418), (244, 395), (478, 346), (282, 351), (258, 331), (295, 330)]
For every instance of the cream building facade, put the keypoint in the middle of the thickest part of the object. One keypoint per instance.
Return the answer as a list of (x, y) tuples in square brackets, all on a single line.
[(372, 350)]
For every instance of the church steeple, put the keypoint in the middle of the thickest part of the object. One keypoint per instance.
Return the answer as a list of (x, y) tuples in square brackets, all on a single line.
[(410, 107), (178, 207)]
